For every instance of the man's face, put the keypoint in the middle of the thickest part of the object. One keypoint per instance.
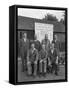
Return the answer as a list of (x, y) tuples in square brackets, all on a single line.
[(25, 35), (55, 37), (32, 46), (46, 36), (52, 46), (43, 46)]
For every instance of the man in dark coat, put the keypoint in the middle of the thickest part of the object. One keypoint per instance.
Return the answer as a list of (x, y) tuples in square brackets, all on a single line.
[(24, 46), (32, 58), (37, 43), (57, 46), (53, 59), (56, 43), (46, 42)]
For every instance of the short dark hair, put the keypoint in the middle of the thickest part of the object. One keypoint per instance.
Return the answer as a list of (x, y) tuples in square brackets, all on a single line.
[(32, 43), (52, 42)]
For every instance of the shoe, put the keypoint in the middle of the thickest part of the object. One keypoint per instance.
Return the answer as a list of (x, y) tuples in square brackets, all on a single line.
[(56, 73), (44, 74), (40, 75)]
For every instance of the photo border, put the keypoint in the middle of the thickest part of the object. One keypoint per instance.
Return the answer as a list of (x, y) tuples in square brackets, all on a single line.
[(16, 50)]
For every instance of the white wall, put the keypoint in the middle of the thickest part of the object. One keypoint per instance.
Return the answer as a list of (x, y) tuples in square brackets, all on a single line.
[(41, 29), (4, 44)]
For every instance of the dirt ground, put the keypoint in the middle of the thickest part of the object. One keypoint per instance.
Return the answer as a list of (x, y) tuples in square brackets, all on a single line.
[(22, 77)]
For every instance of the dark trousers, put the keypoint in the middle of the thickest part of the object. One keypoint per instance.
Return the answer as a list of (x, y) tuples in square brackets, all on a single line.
[(32, 68), (24, 61), (54, 68)]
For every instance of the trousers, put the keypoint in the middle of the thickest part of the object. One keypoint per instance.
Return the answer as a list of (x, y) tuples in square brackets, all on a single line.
[(43, 66), (32, 68)]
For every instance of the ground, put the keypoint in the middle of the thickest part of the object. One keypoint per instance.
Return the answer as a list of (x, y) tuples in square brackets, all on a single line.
[(22, 77)]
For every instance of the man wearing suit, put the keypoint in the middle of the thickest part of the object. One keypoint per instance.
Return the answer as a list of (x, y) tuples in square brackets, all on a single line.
[(32, 58), (46, 42), (56, 43), (43, 60), (37, 43), (47, 46), (53, 59), (24, 46)]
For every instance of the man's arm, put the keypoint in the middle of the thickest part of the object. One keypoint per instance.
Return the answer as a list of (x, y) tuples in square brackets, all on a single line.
[(36, 55), (46, 56), (40, 57), (28, 44), (49, 61)]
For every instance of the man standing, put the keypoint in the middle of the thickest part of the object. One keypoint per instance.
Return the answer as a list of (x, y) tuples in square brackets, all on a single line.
[(24, 46), (46, 42), (56, 43), (32, 58)]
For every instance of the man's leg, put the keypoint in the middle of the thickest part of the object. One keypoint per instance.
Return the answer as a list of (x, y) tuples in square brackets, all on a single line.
[(56, 69), (35, 68), (29, 68), (45, 66), (40, 66), (22, 56), (25, 61), (52, 68)]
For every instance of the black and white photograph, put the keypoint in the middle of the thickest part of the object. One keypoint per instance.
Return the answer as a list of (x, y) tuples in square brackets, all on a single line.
[(41, 44), (34, 44)]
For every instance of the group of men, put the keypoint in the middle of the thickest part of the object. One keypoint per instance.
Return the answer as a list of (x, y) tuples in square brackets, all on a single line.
[(39, 57)]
